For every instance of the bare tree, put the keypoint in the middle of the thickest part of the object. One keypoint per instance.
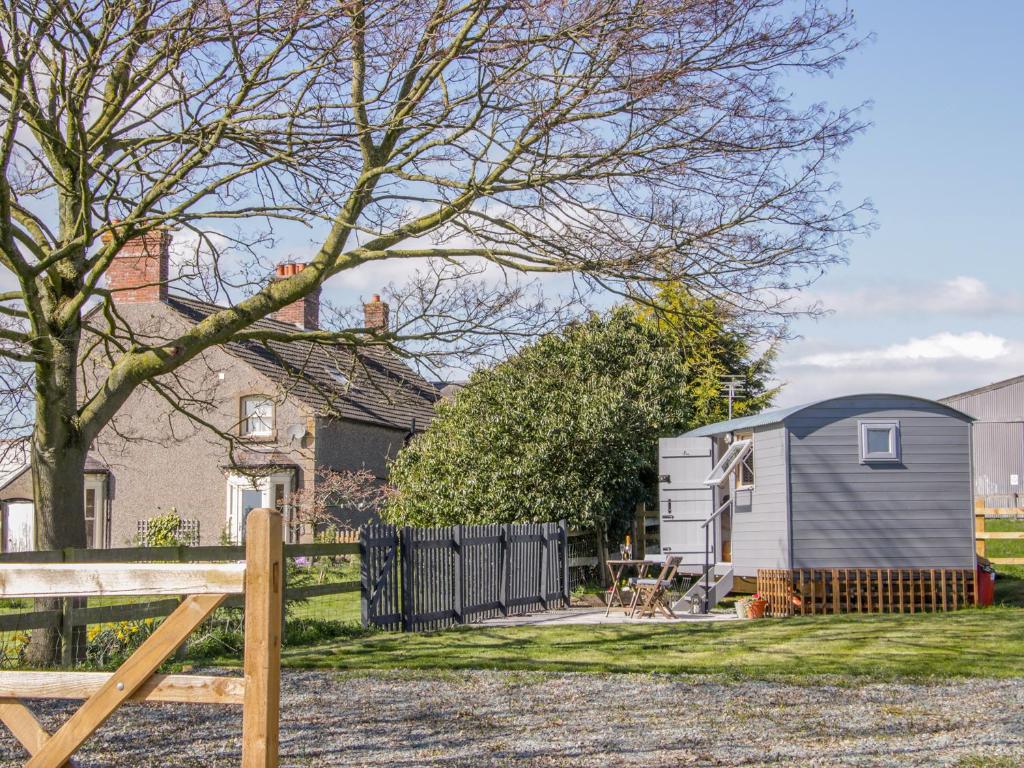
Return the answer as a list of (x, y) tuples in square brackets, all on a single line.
[(336, 493), (625, 142)]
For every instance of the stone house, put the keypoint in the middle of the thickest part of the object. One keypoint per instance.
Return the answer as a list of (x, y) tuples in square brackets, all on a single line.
[(266, 417)]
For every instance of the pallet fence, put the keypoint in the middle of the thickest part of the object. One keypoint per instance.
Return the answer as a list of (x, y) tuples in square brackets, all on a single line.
[(417, 579), (809, 592)]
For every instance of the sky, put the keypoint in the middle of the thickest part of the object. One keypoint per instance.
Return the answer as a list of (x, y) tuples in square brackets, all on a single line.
[(932, 302)]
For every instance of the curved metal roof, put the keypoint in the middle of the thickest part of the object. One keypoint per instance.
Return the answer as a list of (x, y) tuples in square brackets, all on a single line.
[(779, 415)]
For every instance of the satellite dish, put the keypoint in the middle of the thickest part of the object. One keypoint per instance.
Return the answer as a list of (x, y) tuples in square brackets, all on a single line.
[(296, 432)]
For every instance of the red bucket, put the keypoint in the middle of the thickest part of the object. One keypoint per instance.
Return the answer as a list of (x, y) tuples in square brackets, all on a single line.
[(986, 585)]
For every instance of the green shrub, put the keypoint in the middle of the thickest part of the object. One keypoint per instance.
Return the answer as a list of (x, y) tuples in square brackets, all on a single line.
[(162, 531), (107, 645)]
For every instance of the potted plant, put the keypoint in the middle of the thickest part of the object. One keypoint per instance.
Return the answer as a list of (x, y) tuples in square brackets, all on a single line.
[(743, 607), (756, 606)]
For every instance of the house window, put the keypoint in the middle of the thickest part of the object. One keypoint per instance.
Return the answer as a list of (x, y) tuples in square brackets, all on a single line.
[(879, 441), (257, 416), (90, 517), (96, 523)]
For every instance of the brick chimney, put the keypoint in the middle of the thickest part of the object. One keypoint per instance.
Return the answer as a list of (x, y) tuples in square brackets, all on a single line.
[(140, 271), (375, 314), (304, 313)]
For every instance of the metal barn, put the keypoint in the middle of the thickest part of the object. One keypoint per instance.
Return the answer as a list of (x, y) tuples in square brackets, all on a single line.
[(862, 486), (998, 437)]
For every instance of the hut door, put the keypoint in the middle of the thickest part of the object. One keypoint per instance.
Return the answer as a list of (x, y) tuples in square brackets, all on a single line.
[(684, 500)]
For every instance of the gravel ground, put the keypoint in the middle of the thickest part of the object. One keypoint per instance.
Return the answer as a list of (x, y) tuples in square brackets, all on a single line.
[(535, 719)]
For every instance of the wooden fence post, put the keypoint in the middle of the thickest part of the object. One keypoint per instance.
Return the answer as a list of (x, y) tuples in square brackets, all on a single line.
[(979, 526), (563, 528), (364, 577), (506, 552), (264, 604), (457, 585), (544, 564), (407, 553), (67, 629)]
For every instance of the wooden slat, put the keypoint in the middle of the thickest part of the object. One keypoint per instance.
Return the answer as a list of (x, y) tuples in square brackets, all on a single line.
[(990, 535), (184, 689), (15, 622), (318, 590), (264, 601), (1006, 560), (108, 614), (88, 580), (23, 724), (125, 681)]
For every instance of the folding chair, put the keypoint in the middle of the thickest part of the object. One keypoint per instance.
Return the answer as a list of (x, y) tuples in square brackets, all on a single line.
[(651, 594)]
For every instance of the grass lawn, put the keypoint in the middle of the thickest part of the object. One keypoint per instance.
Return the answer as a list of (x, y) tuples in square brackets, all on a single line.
[(985, 642), (975, 642)]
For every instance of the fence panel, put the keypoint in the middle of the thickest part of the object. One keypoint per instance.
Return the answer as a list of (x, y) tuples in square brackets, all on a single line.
[(461, 574)]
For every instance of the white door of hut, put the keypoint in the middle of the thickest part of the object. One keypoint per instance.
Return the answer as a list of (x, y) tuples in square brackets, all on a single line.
[(685, 502)]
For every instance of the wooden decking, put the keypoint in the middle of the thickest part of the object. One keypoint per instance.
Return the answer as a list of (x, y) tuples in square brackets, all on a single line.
[(866, 590)]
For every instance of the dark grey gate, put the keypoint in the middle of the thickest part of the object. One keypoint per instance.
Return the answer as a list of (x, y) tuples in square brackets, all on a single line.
[(464, 573), (379, 564)]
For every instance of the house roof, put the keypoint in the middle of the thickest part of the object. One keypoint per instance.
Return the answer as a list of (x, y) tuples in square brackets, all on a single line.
[(371, 384), (779, 415), (15, 460), (986, 388)]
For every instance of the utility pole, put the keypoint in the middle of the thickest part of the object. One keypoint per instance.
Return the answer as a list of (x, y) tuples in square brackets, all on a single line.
[(732, 386)]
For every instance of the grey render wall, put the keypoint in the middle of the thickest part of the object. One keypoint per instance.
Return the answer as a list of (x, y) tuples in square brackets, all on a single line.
[(998, 438), (760, 528), (167, 461), (344, 445), (847, 514)]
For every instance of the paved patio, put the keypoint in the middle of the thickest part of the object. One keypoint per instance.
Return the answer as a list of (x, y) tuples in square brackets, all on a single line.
[(596, 616)]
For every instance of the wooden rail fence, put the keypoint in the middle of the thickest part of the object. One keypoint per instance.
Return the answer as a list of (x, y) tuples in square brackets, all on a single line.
[(74, 613), (866, 590), (259, 579), (427, 578), (982, 515)]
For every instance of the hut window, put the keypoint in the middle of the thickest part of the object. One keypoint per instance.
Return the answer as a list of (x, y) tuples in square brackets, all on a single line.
[(879, 441), (730, 460)]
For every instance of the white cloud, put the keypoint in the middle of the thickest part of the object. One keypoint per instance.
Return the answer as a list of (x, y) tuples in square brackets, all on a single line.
[(936, 366), (973, 345), (963, 295)]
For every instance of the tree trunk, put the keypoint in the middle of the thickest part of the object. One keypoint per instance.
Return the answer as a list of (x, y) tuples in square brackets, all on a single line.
[(58, 457)]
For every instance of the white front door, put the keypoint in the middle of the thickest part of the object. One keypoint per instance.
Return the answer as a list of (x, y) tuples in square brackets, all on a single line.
[(21, 526), (248, 493)]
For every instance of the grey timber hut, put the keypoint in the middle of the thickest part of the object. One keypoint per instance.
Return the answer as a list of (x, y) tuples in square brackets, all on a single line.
[(870, 481)]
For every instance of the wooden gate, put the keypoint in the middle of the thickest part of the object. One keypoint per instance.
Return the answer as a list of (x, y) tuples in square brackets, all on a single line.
[(459, 574), (379, 582), (205, 586)]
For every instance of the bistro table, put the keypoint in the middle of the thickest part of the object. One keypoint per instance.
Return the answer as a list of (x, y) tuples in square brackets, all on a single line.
[(615, 569)]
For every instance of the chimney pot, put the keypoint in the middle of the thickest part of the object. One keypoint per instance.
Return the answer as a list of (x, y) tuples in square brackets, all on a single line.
[(305, 312), (375, 314)]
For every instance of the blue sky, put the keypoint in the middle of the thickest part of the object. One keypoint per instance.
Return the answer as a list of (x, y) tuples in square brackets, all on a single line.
[(932, 302)]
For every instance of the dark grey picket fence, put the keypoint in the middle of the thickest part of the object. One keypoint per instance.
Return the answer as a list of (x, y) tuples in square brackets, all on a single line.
[(416, 579)]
